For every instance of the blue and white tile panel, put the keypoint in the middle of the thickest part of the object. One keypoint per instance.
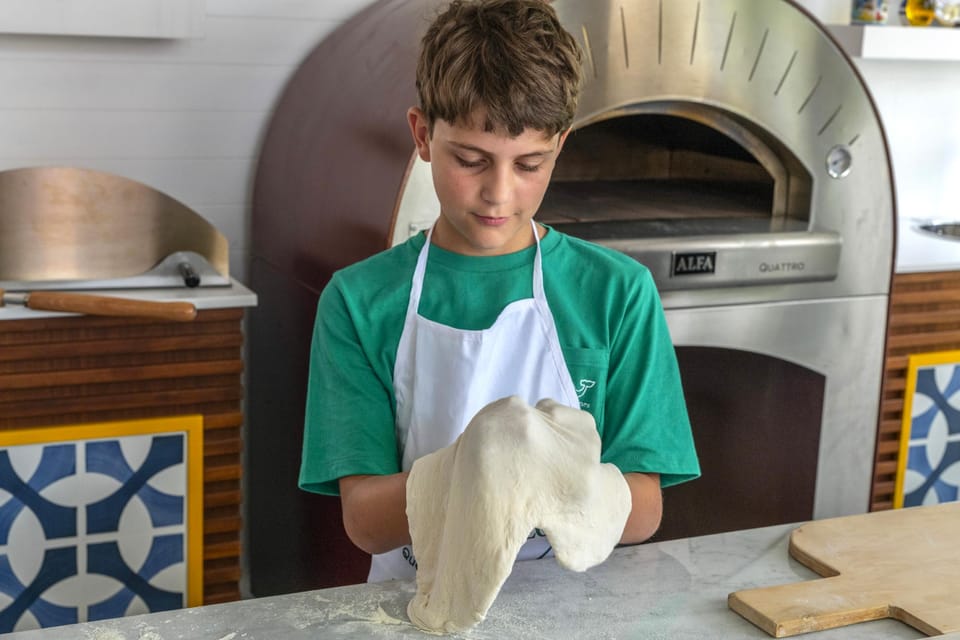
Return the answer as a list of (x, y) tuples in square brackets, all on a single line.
[(92, 529), (932, 472)]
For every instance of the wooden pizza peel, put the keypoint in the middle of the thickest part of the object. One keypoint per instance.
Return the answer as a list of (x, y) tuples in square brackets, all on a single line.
[(902, 564)]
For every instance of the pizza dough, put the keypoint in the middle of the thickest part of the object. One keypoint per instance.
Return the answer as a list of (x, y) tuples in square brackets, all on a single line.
[(471, 506)]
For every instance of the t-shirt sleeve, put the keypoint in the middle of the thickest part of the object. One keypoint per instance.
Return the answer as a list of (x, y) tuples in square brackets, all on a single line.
[(646, 426), (349, 417)]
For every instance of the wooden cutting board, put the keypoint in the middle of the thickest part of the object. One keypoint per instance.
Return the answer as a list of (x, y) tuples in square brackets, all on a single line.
[(902, 564)]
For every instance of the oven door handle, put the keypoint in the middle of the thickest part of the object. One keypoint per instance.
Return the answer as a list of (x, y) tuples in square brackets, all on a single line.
[(698, 262)]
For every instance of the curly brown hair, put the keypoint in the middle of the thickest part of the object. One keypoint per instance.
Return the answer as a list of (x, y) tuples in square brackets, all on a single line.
[(509, 60)]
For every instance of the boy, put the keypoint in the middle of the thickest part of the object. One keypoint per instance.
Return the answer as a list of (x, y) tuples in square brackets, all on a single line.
[(409, 344)]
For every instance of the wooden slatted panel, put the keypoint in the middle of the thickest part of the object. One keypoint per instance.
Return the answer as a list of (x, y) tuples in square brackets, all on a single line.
[(924, 317), (83, 369)]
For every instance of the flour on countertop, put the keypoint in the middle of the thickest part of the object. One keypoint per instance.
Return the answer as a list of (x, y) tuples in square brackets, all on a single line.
[(106, 634), (375, 610), (382, 617)]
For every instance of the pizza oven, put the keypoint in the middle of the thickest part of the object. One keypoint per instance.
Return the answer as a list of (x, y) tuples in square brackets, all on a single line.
[(729, 145)]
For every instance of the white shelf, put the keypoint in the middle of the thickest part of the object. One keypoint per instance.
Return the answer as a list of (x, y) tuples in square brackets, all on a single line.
[(889, 42)]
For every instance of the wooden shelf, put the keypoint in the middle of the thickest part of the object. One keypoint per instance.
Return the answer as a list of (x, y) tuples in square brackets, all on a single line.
[(76, 370), (891, 42)]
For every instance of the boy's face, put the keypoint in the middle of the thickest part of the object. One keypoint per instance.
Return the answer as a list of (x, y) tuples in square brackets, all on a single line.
[(489, 184)]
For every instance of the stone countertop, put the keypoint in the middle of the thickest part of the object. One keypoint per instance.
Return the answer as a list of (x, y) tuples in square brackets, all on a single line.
[(919, 251), (219, 297), (672, 590)]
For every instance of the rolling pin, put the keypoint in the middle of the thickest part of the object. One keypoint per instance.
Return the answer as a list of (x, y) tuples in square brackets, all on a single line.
[(100, 305)]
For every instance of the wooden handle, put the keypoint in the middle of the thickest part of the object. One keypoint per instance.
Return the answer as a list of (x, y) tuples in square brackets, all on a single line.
[(815, 605), (110, 306)]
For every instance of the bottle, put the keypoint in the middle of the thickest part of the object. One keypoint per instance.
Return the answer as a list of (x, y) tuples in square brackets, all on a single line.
[(919, 12)]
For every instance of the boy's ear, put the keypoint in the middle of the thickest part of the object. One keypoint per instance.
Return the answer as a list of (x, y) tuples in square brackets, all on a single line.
[(420, 129), (563, 138)]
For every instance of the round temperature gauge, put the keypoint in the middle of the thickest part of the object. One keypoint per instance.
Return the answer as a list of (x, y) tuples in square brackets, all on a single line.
[(839, 160)]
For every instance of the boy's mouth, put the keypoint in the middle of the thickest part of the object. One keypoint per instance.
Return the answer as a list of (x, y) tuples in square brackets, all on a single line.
[(491, 221)]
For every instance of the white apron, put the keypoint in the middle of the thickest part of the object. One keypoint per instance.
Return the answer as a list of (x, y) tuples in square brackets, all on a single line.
[(443, 376)]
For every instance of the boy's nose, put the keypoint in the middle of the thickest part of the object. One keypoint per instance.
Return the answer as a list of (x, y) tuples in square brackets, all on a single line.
[(497, 187)]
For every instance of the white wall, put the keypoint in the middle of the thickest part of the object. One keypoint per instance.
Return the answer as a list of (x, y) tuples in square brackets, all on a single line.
[(184, 116), (828, 11), (919, 103)]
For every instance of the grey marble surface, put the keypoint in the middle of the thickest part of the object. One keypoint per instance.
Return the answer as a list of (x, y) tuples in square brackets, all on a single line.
[(919, 251), (672, 590)]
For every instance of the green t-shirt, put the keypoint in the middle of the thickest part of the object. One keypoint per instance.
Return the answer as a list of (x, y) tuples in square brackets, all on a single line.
[(610, 324)]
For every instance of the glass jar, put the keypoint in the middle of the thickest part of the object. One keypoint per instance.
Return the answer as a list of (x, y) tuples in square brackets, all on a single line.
[(869, 12), (920, 13), (947, 12)]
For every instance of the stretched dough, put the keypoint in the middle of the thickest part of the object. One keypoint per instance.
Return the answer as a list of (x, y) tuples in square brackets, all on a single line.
[(471, 506)]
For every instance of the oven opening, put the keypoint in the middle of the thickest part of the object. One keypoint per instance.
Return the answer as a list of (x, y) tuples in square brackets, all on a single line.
[(756, 422), (675, 169)]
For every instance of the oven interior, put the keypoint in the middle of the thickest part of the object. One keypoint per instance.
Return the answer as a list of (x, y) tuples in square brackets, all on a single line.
[(675, 170)]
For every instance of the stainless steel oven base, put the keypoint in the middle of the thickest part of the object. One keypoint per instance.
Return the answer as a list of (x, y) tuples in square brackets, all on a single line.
[(840, 338)]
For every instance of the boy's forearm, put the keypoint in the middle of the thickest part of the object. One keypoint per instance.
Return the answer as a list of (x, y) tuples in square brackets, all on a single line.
[(375, 518), (375, 511), (644, 519)]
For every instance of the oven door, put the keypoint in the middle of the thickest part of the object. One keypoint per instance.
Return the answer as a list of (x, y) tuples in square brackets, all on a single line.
[(783, 400)]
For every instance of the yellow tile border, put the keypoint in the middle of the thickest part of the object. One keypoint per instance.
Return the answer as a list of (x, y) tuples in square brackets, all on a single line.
[(914, 363), (192, 425)]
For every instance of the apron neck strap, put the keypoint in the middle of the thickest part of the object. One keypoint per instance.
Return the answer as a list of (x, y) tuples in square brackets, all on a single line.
[(418, 274)]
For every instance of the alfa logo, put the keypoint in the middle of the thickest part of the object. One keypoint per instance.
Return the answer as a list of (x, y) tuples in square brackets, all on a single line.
[(691, 263)]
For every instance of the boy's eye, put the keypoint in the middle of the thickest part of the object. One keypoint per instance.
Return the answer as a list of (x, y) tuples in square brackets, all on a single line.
[(476, 164), (469, 164)]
